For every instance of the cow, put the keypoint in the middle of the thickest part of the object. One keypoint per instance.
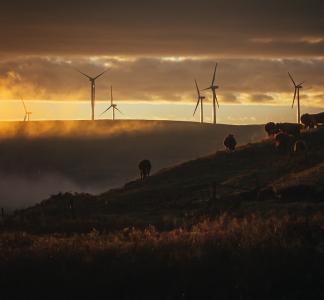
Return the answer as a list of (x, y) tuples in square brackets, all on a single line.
[(288, 128), (230, 142), (270, 128), (312, 120), (145, 168)]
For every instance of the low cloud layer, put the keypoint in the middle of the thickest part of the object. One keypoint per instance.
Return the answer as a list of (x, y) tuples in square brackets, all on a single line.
[(160, 79), (62, 158), (154, 49)]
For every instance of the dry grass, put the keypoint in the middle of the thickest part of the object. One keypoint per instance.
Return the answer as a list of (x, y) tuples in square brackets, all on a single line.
[(229, 256)]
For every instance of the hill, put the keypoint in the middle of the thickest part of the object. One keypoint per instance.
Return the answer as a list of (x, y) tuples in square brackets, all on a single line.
[(38, 159), (211, 185), (242, 225)]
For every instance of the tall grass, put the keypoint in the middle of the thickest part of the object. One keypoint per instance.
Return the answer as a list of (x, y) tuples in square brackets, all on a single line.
[(231, 258)]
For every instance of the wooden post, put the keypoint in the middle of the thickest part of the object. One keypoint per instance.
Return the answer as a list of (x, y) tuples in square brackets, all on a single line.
[(2, 212)]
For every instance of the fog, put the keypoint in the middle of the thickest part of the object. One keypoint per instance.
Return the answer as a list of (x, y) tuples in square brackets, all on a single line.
[(38, 159)]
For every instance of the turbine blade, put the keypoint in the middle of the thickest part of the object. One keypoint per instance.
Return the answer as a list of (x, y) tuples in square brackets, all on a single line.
[(214, 75), (118, 110), (294, 98), (197, 88), (301, 83), (25, 108), (216, 100), (197, 106), (206, 89), (292, 79), (106, 110), (84, 74), (100, 74)]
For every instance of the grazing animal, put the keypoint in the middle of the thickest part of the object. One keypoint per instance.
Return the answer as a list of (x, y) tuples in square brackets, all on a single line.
[(145, 168), (312, 120), (230, 142), (270, 128), (283, 143), (289, 128)]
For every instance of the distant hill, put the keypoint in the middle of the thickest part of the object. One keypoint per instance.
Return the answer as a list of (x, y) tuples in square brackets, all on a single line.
[(38, 159), (208, 186)]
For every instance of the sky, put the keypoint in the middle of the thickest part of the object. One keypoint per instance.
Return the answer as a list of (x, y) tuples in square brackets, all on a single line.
[(153, 50)]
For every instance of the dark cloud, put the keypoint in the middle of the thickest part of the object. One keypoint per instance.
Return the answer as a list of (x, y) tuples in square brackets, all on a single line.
[(229, 97), (219, 27), (157, 79), (261, 98)]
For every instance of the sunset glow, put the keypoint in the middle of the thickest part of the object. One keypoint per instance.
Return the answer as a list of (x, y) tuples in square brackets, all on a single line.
[(158, 63)]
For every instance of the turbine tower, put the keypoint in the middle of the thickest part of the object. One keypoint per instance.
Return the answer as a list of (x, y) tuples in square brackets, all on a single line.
[(112, 105), (27, 113), (297, 88), (93, 90), (213, 87), (200, 100)]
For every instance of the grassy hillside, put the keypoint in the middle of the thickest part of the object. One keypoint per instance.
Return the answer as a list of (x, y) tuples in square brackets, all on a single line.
[(38, 159), (221, 182), (173, 237)]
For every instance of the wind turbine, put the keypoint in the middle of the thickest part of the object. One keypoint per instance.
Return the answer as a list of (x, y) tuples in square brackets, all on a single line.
[(200, 100), (112, 105), (27, 113), (213, 88), (93, 89), (297, 88)]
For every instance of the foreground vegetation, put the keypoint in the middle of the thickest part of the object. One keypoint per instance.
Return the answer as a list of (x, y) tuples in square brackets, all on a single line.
[(205, 229), (227, 258)]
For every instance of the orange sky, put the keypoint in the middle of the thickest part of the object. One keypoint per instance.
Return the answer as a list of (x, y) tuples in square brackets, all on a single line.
[(155, 50)]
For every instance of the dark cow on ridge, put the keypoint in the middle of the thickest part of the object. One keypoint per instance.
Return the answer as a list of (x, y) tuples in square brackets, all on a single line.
[(270, 128), (312, 120), (288, 128), (145, 168), (230, 142)]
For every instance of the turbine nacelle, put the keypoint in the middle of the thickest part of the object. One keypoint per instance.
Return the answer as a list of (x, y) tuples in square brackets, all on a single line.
[(112, 105), (296, 94), (93, 89)]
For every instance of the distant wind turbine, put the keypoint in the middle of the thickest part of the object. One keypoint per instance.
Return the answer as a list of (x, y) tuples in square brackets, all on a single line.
[(27, 113), (112, 105), (93, 90), (213, 88), (297, 88), (200, 100)]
